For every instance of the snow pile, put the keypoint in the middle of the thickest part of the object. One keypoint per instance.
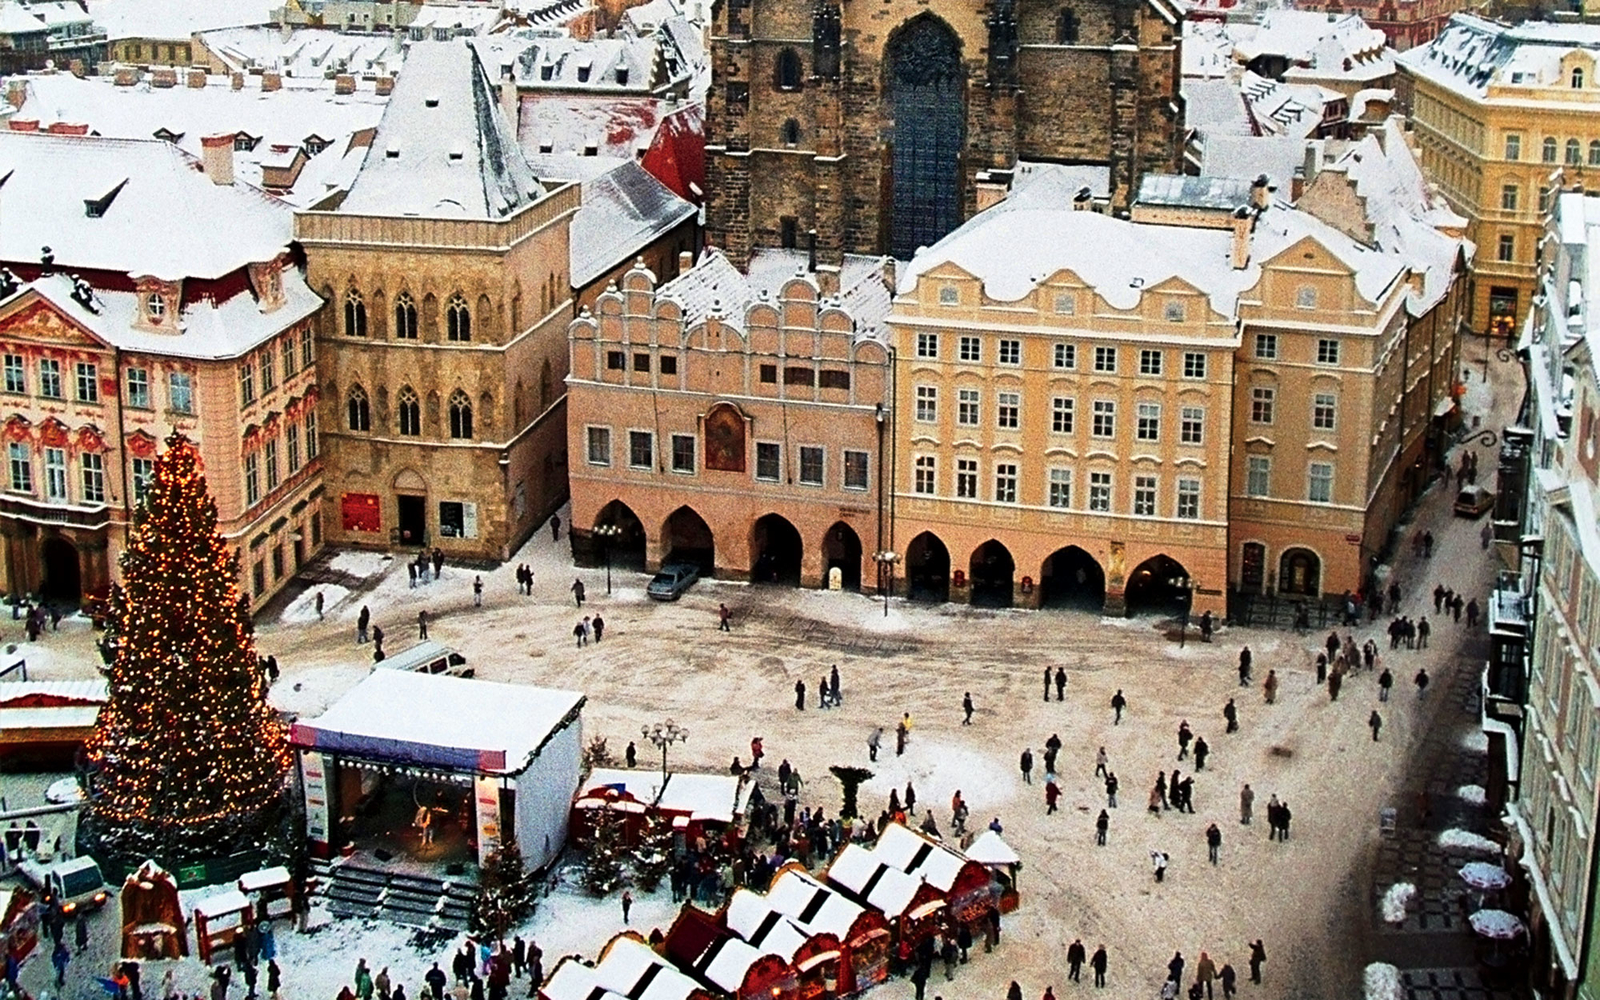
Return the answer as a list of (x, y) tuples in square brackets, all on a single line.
[(936, 771), (1395, 901), (1477, 741), (1473, 794), (304, 607), (358, 563), (1383, 982), (1466, 840)]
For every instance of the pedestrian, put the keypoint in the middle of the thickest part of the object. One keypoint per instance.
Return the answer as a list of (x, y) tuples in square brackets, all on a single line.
[(435, 978), (823, 701), (966, 708), (422, 624), (1247, 801), (1100, 759), (477, 591), (627, 905), (902, 733), (384, 985), (631, 755), (1202, 750), (555, 527), (1111, 790), (874, 739), (833, 686), (1205, 627), (275, 980), (1076, 954), (377, 636), (919, 978), (1158, 798), (1230, 714), (59, 958), (1269, 687), (1213, 842), (1421, 681), (1228, 978), (1118, 703), (1423, 631), (1322, 667), (599, 626), (1472, 611), (1375, 723), (949, 953), (1158, 861), (1052, 792), (411, 574), (1258, 957), (1184, 736), (1427, 545), (317, 601), (911, 798), (1335, 683), (1101, 825), (1175, 968), (1244, 667), (1385, 682), (579, 634), (723, 614), (1014, 992), (1027, 765), (577, 591), (1097, 962), (1047, 676), (362, 621), (1205, 971), (1061, 681), (800, 695)]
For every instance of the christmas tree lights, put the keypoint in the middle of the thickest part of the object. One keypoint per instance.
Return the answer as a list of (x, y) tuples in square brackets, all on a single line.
[(189, 760)]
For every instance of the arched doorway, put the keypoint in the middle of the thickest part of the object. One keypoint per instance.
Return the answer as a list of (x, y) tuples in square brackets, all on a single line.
[(1071, 578), (626, 547), (926, 90), (775, 550), (1300, 572), (841, 548), (1158, 586), (1252, 567), (927, 569), (63, 581), (991, 570), (685, 537)]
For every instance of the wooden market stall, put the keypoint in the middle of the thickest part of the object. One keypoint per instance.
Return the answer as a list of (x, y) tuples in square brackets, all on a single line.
[(696, 805), (701, 944), (862, 932), (628, 969), (270, 891), (1003, 863), (911, 907), (45, 723), (19, 923), (152, 919), (967, 887), (813, 954), (218, 920)]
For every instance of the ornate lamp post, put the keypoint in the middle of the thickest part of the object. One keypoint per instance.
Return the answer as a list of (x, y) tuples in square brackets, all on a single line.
[(663, 735), (886, 561), (607, 533)]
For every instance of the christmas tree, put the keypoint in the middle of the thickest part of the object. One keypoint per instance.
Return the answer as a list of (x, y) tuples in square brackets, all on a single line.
[(188, 759), (506, 892), (652, 859), (601, 871)]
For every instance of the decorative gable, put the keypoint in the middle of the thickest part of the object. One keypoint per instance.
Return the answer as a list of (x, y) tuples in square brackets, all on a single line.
[(159, 303)]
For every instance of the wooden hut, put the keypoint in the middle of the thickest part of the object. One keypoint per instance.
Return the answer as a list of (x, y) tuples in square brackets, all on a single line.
[(966, 886), (911, 907), (152, 919), (700, 943), (1003, 863), (628, 969), (813, 954), (862, 932)]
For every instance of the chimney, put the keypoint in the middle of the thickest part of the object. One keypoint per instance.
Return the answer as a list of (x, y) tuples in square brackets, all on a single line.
[(235, 81), (217, 157), (126, 76), (344, 83), (23, 124), (17, 91), (271, 80), (1260, 190), (811, 250), (385, 85), (889, 275), (1243, 221), (685, 261), (1083, 200), (196, 79), (165, 77), (1312, 162), (1297, 184)]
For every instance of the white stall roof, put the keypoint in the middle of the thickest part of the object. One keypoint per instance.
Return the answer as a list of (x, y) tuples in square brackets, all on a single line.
[(632, 968), (265, 878), (811, 904), (84, 692), (223, 902), (989, 849), (916, 855), (702, 796), (726, 962), (750, 917), (885, 888), (642, 785)]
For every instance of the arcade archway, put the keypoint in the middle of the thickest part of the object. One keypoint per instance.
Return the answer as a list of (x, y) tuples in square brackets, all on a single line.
[(627, 546), (927, 566), (1300, 572), (841, 549), (775, 551), (991, 570), (1158, 586), (1071, 578), (685, 537), (63, 580)]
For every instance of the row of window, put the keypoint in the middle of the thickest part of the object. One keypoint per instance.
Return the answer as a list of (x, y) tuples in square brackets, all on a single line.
[(91, 469), (1264, 407), (811, 470), (1258, 479), (265, 364), (1327, 348), (457, 317), (265, 459), (86, 383), (1105, 360), (408, 413), (1099, 498), (1552, 150), (617, 361)]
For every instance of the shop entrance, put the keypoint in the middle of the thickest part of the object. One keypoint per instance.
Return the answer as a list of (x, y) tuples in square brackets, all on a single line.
[(411, 516), (62, 583)]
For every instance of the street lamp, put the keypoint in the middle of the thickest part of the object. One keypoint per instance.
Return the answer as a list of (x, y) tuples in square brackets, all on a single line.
[(663, 735), (607, 533), (886, 561), (1185, 597)]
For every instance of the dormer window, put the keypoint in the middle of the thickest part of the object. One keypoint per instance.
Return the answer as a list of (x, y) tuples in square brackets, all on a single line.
[(1577, 78), (155, 307), (547, 71), (583, 74), (430, 102)]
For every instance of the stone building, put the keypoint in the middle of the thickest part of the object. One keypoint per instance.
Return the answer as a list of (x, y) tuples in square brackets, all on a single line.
[(447, 265), (871, 125), (736, 421), (1497, 109), (110, 341)]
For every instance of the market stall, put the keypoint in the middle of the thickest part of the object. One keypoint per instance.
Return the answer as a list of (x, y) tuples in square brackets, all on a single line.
[(218, 920), (813, 954), (912, 908), (628, 969), (700, 943), (1003, 863), (862, 932), (152, 919), (966, 886)]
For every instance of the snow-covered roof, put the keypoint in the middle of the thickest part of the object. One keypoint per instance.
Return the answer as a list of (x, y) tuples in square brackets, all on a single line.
[(632, 969), (443, 148), (1060, 183), (1318, 45), (263, 878), (222, 903), (589, 125), (714, 285), (1248, 156), (989, 849), (17, 19), (1471, 53), (1285, 108), (176, 19), (1207, 50), (279, 122), (884, 887), (1215, 107), (642, 785), (91, 692), (623, 211), (761, 926), (395, 714), (702, 796), (432, 18), (812, 905), (1178, 190), (919, 856), (139, 187), (205, 329), (306, 56)]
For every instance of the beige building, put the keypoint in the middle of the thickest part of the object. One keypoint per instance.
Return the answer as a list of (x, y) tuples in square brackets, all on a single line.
[(734, 420), (110, 342), (447, 266), (1498, 110)]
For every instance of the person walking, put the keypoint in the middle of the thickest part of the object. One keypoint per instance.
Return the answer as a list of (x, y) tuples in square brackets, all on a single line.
[(422, 624), (874, 740), (577, 591), (1247, 802), (1118, 703), (1061, 683), (1385, 682), (477, 591), (1202, 750), (1421, 681), (1244, 667), (800, 695), (1269, 687), (362, 621), (599, 625), (1027, 765), (1158, 861), (1100, 760), (59, 959), (723, 614), (1230, 714), (627, 905), (1472, 609), (1184, 736), (1213, 842), (966, 709), (1101, 825), (1205, 972), (555, 527), (318, 602), (1375, 723), (1111, 790), (1097, 962), (1052, 792), (1258, 958), (1076, 954)]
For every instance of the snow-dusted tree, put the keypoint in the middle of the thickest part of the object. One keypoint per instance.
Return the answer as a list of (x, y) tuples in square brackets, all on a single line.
[(652, 858), (506, 892), (601, 871), (188, 758)]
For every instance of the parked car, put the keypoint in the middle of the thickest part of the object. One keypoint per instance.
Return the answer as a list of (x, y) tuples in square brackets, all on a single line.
[(1473, 502), (672, 580), (428, 657), (75, 882)]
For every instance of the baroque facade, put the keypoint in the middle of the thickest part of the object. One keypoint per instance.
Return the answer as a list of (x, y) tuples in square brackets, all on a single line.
[(447, 265), (872, 126)]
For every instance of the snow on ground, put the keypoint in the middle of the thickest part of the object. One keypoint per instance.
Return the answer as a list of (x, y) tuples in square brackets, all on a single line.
[(1466, 840), (360, 563), (304, 607), (1473, 794), (1395, 901), (1382, 982), (311, 691), (937, 770)]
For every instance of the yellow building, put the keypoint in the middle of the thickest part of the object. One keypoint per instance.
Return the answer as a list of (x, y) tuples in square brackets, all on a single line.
[(1497, 111)]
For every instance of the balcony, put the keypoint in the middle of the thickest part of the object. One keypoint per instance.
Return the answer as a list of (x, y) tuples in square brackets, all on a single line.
[(89, 517)]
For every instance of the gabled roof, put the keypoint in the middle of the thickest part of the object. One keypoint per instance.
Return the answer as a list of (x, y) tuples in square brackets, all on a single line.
[(884, 887), (811, 904), (1472, 52), (176, 20), (762, 927), (443, 148), (623, 211)]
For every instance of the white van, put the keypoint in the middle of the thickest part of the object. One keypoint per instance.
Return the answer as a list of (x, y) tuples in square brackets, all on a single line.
[(429, 657)]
